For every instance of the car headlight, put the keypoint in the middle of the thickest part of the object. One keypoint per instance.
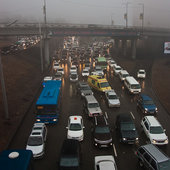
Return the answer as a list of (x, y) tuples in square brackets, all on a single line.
[(82, 94), (156, 109), (146, 109), (124, 139), (54, 120), (137, 138), (38, 120), (153, 141)]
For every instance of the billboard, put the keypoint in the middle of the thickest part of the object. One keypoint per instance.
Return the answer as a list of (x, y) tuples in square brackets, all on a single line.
[(167, 48)]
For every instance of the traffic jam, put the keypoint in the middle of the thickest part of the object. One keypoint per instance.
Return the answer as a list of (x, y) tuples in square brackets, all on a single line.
[(93, 114)]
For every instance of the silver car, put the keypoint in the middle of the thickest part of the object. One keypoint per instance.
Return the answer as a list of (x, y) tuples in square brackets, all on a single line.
[(112, 99)]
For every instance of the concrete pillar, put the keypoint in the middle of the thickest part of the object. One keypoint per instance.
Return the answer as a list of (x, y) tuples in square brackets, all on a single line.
[(46, 52), (116, 47), (134, 48), (124, 47)]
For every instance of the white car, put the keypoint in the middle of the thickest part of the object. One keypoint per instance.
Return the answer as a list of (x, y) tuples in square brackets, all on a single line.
[(85, 72), (112, 99), (73, 77), (36, 140), (105, 162), (141, 74), (56, 66), (60, 70), (154, 130), (117, 69), (112, 63), (75, 128), (99, 71), (73, 69)]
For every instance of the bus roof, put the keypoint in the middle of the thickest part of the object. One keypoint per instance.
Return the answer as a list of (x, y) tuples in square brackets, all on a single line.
[(101, 59), (15, 159), (50, 93)]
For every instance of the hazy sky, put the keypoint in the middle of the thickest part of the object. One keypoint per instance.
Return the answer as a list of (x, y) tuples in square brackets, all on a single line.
[(157, 12)]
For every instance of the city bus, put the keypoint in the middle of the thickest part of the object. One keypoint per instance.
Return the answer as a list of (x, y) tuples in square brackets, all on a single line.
[(19, 159), (102, 62), (48, 103)]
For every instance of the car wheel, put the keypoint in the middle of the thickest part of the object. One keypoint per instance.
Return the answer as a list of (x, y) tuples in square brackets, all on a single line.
[(140, 163)]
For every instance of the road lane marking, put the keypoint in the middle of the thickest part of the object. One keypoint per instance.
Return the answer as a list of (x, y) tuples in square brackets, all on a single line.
[(132, 115), (106, 115), (114, 148)]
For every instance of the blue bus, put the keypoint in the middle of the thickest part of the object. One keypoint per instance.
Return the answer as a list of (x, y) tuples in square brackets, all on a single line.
[(19, 159), (48, 103)]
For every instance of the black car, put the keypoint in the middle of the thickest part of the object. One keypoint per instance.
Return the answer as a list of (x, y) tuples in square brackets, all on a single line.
[(101, 132), (70, 155), (83, 89), (126, 129)]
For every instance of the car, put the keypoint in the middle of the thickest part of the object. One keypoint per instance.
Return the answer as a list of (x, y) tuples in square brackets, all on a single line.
[(101, 132), (91, 106), (84, 89), (126, 129), (99, 71), (112, 99), (87, 66), (85, 72), (154, 130), (141, 74), (57, 76), (60, 70), (73, 69), (112, 63), (75, 128), (116, 69), (105, 162), (70, 155), (56, 65), (150, 157), (73, 77), (146, 104), (123, 74), (36, 140)]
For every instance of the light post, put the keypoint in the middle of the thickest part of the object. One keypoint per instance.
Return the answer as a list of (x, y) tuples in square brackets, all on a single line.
[(45, 18), (142, 15), (126, 14), (41, 52), (112, 21)]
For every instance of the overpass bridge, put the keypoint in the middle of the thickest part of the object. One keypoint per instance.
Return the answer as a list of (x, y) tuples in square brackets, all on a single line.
[(118, 33)]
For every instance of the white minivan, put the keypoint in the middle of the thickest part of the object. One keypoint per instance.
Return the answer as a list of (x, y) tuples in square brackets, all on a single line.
[(132, 85)]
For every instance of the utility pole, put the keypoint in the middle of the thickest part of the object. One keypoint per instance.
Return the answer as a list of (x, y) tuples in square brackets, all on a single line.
[(3, 90), (41, 52)]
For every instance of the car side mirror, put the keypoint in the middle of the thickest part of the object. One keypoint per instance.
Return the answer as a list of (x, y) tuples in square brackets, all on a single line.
[(66, 127), (83, 127), (164, 130)]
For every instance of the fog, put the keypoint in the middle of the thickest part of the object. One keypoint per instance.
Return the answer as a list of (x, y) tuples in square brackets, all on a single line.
[(107, 12)]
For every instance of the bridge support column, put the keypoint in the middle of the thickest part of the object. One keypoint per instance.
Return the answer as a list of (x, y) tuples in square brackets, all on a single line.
[(134, 48), (124, 47), (116, 47), (46, 52)]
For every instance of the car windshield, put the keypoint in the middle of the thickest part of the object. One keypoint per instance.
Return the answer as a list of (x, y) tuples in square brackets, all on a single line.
[(118, 68), (57, 76), (35, 141), (127, 126), (69, 162), (85, 71), (98, 69), (112, 97), (93, 105), (105, 84), (73, 76), (125, 75), (164, 165), (141, 72), (135, 86), (60, 69), (156, 130), (85, 88), (75, 127), (148, 102), (102, 129)]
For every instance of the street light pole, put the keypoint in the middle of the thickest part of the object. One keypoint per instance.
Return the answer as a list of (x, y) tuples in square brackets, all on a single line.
[(142, 15), (45, 18), (41, 52), (3, 90)]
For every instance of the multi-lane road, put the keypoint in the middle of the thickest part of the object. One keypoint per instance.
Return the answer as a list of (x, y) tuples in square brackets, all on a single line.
[(72, 104)]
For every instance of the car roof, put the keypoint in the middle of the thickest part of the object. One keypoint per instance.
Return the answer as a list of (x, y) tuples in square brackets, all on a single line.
[(100, 120), (124, 72), (91, 99), (70, 147), (125, 117), (111, 92), (153, 121), (142, 70), (145, 97), (155, 152), (75, 119)]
